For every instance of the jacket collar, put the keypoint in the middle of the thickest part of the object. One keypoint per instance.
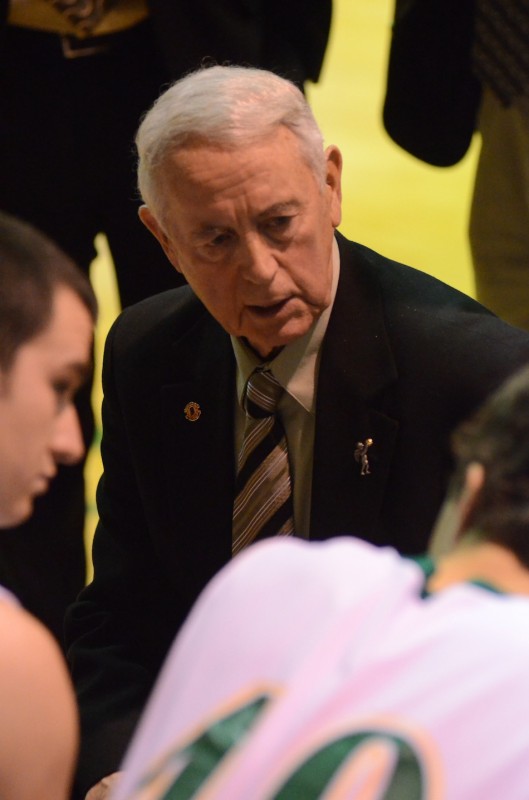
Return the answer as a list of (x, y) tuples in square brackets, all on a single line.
[(357, 365)]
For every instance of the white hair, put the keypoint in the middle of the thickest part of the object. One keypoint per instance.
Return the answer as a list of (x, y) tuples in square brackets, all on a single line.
[(225, 106)]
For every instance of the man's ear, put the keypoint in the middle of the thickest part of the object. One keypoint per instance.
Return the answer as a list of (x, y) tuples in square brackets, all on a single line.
[(152, 224), (333, 180)]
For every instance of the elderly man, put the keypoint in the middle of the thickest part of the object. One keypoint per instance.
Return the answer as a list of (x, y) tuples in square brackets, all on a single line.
[(364, 671), (300, 384), (47, 311)]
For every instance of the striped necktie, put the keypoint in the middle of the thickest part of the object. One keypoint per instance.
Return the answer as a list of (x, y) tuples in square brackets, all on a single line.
[(263, 490)]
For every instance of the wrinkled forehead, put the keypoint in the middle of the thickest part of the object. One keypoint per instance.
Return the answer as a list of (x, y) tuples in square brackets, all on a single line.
[(273, 159), (280, 139)]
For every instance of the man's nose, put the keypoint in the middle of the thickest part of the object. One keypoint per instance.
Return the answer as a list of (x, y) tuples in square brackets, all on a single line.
[(258, 262), (68, 445)]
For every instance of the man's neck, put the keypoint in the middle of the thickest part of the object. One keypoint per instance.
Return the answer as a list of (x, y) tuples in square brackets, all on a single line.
[(264, 359), (486, 562)]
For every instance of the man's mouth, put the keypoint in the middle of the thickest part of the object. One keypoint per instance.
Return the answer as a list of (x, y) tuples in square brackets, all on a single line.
[(269, 310)]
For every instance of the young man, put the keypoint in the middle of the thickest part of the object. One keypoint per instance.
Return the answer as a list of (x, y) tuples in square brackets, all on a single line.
[(340, 669), (47, 313)]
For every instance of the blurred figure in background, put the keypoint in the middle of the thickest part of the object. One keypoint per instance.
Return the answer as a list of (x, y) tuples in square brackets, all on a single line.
[(499, 220), (457, 66)]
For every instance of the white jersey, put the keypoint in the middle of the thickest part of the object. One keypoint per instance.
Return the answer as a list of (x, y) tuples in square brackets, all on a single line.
[(321, 670)]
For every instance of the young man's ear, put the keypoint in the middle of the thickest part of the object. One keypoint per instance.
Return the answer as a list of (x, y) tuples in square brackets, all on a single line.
[(472, 487), (456, 514), (152, 224)]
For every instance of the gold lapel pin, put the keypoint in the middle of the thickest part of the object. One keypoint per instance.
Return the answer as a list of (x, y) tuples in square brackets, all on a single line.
[(192, 411), (360, 455)]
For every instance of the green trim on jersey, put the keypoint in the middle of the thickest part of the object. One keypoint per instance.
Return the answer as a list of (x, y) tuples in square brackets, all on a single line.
[(427, 565)]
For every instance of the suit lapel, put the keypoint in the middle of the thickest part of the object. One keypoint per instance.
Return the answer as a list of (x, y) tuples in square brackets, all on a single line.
[(356, 365), (198, 417)]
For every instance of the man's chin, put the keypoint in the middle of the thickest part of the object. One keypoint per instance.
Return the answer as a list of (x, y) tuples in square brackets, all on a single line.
[(267, 335), (267, 347)]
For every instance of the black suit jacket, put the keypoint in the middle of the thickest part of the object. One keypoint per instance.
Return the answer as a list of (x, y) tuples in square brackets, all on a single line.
[(405, 357)]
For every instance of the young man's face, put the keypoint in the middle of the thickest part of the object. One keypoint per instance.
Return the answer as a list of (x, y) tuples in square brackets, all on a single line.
[(39, 427), (252, 232)]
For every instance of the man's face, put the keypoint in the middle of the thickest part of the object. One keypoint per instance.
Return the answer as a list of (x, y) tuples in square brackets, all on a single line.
[(252, 230), (39, 428)]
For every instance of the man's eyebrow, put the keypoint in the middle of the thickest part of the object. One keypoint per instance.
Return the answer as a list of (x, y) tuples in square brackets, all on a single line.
[(207, 231), (284, 207)]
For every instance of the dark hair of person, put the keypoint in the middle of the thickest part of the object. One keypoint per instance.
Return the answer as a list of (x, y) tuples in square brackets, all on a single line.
[(32, 267), (497, 437)]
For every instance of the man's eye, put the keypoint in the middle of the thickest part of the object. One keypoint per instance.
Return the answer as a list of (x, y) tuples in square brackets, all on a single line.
[(278, 224), (220, 239)]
